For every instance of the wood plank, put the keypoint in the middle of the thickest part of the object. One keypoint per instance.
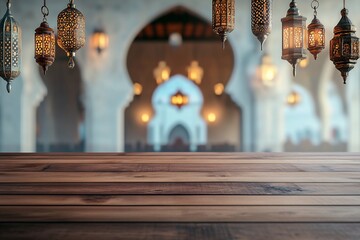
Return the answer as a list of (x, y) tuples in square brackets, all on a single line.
[(316, 177), (178, 161), (180, 167), (270, 214), (180, 231), (228, 188), (173, 200)]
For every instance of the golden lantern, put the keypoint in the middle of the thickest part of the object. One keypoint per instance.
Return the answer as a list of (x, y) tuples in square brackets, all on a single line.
[(219, 89), (10, 48), (293, 98), (293, 36), (195, 72), (316, 33), (211, 117), (71, 31), (145, 118), (223, 18), (344, 47), (100, 40), (267, 71), (138, 88), (44, 42), (162, 72), (179, 99), (261, 14)]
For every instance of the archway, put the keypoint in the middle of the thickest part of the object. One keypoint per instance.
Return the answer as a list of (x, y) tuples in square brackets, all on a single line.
[(198, 43)]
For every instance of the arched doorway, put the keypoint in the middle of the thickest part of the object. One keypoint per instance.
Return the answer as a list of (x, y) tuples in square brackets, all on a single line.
[(179, 139), (60, 116), (153, 45)]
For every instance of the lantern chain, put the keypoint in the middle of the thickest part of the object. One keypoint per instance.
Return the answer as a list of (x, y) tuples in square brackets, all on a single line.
[(315, 5), (45, 11), (344, 3)]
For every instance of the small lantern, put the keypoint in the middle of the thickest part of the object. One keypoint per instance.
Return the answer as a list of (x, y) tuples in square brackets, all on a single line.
[(316, 33), (293, 36), (100, 40), (344, 47), (10, 48), (261, 14), (162, 72), (223, 18), (179, 99), (267, 71), (293, 98), (71, 31), (195, 72), (44, 42), (219, 89)]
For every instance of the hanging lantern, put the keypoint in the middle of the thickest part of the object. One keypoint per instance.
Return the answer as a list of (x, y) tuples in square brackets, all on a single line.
[(261, 14), (100, 40), (267, 71), (162, 72), (195, 72), (44, 42), (10, 48), (293, 98), (219, 89), (223, 18), (293, 36), (71, 31), (344, 47), (179, 99), (316, 33)]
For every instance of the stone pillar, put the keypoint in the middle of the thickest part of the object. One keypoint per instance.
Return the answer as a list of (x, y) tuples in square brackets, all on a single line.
[(18, 109)]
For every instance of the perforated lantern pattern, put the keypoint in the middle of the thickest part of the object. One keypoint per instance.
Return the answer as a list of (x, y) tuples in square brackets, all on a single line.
[(71, 31), (344, 47), (261, 19), (10, 48), (316, 37), (294, 36), (223, 17), (44, 46)]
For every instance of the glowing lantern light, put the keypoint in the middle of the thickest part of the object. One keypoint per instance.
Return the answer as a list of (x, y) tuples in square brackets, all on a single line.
[(162, 72), (195, 72), (100, 40)]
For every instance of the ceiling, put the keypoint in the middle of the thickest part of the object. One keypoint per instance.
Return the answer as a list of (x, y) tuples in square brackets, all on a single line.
[(178, 20)]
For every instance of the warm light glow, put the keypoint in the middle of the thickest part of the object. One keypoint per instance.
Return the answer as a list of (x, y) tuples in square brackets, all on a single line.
[(145, 118), (268, 71), (162, 72), (211, 117), (293, 98), (100, 40), (138, 89), (195, 72), (179, 99), (304, 63), (219, 89)]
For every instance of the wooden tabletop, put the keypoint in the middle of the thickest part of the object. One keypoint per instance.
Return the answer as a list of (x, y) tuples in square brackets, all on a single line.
[(180, 196)]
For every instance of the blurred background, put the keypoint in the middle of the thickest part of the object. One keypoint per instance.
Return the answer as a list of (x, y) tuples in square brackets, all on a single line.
[(154, 77)]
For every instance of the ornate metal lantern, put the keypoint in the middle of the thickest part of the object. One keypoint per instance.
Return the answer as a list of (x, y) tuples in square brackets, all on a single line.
[(71, 31), (267, 71), (316, 33), (293, 36), (293, 98), (44, 42), (223, 18), (100, 40), (179, 99), (344, 47), (10, 48), (195, 72), (261, 14)]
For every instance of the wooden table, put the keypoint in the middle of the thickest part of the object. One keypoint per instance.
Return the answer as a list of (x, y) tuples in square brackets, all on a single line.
[(180, 196)]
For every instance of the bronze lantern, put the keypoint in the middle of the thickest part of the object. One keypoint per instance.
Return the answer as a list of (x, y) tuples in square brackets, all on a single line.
[(293, 36), (179, 99), (71, 31), (261, 16), (10, 48), (44, 42), (344, 47), (316, 33), (223, 18)]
